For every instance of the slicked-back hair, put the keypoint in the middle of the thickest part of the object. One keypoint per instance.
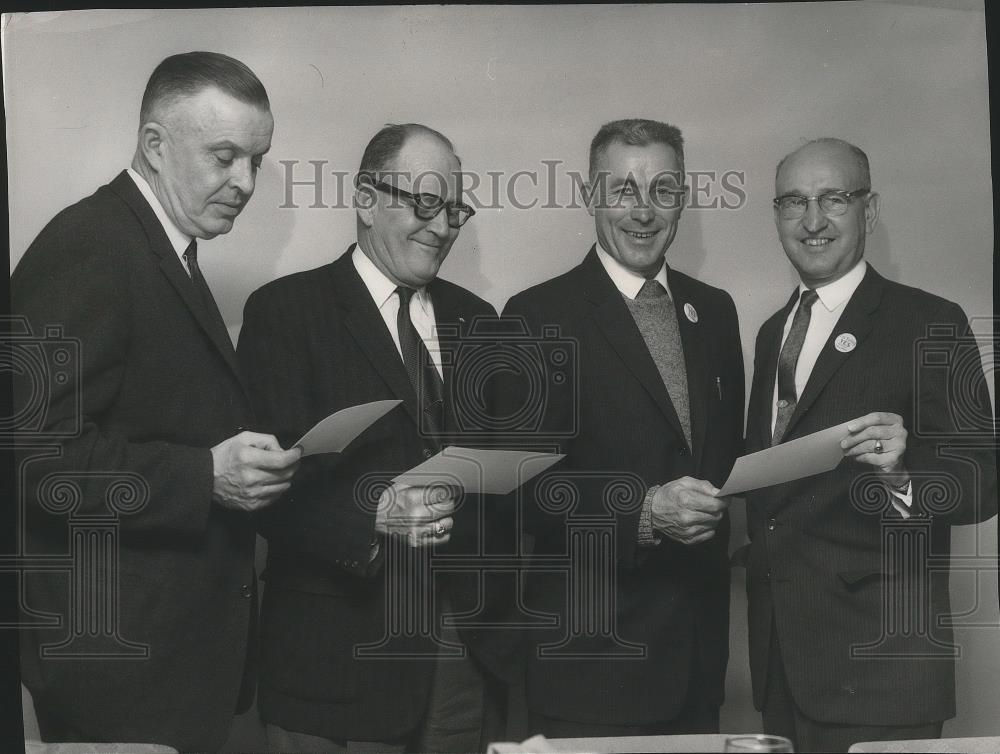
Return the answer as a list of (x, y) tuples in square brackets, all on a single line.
[(188, 73), (635, 132), (861, 159), (385, 146)]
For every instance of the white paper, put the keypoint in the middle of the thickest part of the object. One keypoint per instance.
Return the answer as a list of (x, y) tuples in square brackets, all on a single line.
[(490, 472), (787, 461), (338, 430)]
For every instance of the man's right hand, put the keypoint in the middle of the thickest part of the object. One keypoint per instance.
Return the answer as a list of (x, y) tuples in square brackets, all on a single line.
[(251, 471), (687, 510), (420, 514)]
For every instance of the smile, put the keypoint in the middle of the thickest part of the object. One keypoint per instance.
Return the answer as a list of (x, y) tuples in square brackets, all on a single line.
[(640, 236), (816, 241)]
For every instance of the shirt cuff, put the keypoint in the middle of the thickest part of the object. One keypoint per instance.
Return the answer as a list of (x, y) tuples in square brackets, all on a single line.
[(902, 501), (647, 537)]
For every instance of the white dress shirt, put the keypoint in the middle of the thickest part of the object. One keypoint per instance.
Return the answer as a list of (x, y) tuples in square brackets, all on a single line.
[(383, 293), (831, 303), (178, 239), (627, 281)]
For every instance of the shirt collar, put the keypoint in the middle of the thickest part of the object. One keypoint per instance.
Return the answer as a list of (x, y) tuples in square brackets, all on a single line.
[(178, 239), (625, 280), (379, 286), (833, 295)]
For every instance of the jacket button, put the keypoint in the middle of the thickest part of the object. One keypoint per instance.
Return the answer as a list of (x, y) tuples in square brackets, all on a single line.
[(767, 576), (683, 451), (246, 591), (241, 428), (428, 452), (770, 524)]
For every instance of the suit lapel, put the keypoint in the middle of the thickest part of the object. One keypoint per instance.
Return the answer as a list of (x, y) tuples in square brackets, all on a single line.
[(615, 321), (173, 270), (693, 341), (365, 324), (857, 319)]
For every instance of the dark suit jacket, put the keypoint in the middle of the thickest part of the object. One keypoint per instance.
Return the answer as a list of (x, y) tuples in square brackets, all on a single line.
[(612, 416), (150, 385), (819, 558), (313, 343)]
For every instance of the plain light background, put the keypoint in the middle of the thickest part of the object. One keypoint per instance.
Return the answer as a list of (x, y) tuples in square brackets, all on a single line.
[(513, 86)]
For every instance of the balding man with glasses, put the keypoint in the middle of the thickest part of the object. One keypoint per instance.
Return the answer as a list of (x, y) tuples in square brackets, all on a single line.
[(354, 651), (847, 641)]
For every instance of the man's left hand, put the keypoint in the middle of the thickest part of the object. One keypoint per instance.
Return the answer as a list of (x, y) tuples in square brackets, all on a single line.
[(877, 439)]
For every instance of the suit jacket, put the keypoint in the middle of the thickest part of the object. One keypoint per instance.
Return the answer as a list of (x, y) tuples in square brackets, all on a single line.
[(313, 343), (611, 414), (830, 558), (141, 382)]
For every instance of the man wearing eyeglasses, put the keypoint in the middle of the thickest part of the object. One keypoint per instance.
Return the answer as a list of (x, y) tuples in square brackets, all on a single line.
[(353, 646), (650, 421), (847, 641)]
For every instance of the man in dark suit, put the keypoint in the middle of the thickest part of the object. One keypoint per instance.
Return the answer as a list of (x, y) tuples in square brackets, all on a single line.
[(146, 635), (848, 570), (354, 648), (650, 419)]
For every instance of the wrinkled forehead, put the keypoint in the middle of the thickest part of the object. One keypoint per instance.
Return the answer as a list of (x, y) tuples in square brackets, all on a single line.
[(813, 170), (425, 165), (642, 164)]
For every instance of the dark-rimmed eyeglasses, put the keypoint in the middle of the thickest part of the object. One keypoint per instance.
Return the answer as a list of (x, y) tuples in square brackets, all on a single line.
[(831, 203), (427, 206)]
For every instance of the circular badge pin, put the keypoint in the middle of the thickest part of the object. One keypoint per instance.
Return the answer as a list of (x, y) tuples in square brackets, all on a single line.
[(845, 342), (690, 312)]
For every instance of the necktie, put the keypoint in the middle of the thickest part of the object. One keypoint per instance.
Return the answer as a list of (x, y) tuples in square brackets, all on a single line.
[(654, 314), (789, 357), (205, 297), (423, 376)]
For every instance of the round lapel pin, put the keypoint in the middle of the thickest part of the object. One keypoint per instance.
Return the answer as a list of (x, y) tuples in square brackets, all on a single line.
[(690, 313), (845, 342)]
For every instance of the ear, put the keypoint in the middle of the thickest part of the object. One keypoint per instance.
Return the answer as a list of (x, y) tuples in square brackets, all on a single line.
[(365, 203), (873, 203), (152, 144)]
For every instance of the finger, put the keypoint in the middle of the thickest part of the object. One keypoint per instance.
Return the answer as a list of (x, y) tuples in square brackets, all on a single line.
[(704, 503), (259, 440), (869, 435), (703, 537), (276, 459), (873, 419)]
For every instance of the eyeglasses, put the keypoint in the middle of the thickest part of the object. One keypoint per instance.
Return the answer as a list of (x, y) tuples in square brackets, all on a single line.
[(427, 206), (831, 203)]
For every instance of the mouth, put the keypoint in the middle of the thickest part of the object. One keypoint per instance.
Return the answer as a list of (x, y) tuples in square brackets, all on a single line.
[(640, 235), (816, 242)]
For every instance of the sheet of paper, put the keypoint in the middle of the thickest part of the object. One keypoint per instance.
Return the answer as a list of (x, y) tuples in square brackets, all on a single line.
[(490, 472), (787, 461), (335, 432)]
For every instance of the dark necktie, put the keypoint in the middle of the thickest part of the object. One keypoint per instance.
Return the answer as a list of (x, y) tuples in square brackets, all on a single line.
[(205, 297), (423, 376), (787, 360)]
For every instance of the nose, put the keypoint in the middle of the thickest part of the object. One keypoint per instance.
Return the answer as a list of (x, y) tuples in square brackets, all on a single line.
[(438, 225), (242, 176), (814, 219), (641, 211)]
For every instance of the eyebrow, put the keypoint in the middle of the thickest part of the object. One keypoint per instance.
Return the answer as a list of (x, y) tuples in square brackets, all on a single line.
[(227, 144)]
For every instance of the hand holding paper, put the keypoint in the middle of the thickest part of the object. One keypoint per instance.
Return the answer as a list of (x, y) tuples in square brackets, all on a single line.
[(687, 510), (420, 514)]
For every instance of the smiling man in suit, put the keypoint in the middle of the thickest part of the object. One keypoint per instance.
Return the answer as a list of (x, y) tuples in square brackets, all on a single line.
[(847, 641), (650, 421), (160, 631), (377, 323)]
